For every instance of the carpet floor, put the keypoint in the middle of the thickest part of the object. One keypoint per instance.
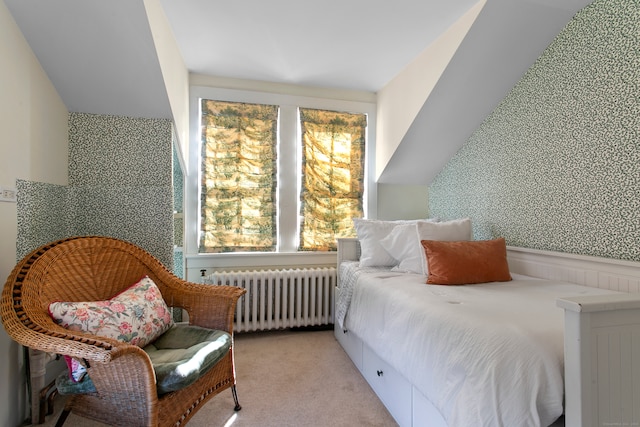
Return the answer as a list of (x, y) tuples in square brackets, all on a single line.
[(286, 378)]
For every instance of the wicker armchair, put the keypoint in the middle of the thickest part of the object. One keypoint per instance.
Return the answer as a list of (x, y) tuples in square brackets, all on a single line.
[(93, 269)]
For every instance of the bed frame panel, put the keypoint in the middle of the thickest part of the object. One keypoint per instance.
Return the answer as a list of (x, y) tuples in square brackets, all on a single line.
[(605, 273), (602, 336)]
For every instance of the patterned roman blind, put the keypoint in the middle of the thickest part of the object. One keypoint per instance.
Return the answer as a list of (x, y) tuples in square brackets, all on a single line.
[(333, 145), (238, 189)]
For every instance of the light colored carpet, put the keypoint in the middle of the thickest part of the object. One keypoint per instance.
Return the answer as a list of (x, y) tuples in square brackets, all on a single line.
[(287, 378)]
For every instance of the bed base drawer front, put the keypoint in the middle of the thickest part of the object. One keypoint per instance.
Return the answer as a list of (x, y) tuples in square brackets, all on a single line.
[(392, 388), (351, 344)]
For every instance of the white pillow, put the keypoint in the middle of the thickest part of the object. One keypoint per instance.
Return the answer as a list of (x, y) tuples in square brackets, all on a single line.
[(450, 231), (370, 232), (403, 242), (404, 246)]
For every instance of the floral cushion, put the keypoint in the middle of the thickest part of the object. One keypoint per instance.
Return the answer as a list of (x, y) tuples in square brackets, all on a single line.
[(137, 316)]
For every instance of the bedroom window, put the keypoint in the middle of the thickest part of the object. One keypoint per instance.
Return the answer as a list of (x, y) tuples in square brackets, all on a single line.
[(278, 178), (238, 208), (333, 145)]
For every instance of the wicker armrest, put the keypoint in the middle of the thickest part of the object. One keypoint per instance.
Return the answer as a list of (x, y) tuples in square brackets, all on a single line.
[(208, 306), (47, 336), (129, 369)]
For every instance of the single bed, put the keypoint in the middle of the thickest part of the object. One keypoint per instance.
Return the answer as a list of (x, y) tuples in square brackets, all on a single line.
[(497, 353)]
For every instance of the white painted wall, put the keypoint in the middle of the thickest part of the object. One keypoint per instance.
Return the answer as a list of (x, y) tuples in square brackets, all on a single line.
[(174, 73), (33, 146), (403, 201), (280, 88)]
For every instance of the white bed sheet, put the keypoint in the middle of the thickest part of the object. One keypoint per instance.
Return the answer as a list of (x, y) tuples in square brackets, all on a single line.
[(484, 355)]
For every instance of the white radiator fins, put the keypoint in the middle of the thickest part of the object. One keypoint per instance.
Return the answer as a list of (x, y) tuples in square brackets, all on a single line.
[(278, 299)]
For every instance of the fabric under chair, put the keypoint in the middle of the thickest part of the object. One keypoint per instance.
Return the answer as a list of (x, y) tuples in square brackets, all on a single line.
[(65, 385)]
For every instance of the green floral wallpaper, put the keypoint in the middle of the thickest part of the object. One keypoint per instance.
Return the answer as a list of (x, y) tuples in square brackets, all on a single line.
[(120, 185), (43, 215), (557, 165)]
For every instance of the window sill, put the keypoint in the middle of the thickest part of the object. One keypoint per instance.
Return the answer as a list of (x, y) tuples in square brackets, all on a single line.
[(254, 260)]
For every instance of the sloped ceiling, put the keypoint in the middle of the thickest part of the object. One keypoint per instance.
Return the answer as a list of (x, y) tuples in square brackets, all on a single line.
[(504, 41), (100, 55)]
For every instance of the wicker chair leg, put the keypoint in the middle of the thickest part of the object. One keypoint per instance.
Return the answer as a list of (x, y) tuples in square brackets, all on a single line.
[(235, 398), (63, 417)]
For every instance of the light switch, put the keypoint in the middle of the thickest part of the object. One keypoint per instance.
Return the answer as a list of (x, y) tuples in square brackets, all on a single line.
[(8, 194)]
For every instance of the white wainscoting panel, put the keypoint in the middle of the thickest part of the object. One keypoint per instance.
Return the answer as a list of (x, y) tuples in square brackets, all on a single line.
[(597, 272)]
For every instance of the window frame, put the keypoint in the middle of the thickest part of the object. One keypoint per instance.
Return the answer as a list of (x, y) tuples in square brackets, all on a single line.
[(288, 178)]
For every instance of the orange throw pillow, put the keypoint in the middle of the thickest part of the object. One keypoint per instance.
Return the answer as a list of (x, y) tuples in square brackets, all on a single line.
[(460, 263)]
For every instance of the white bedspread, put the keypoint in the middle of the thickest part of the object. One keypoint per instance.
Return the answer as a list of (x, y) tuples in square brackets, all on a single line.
[(349, 274), (484, 355)]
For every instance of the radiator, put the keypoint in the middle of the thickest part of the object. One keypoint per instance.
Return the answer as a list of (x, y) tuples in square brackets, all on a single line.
[(279, 299)]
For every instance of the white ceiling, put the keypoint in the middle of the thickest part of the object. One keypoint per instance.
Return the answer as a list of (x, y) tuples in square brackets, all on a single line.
[(348, 44), (101, 58)]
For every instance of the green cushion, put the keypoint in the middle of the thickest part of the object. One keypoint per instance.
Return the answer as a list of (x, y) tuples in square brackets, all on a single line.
[(66, 385), (183, 353), (179, 357)]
